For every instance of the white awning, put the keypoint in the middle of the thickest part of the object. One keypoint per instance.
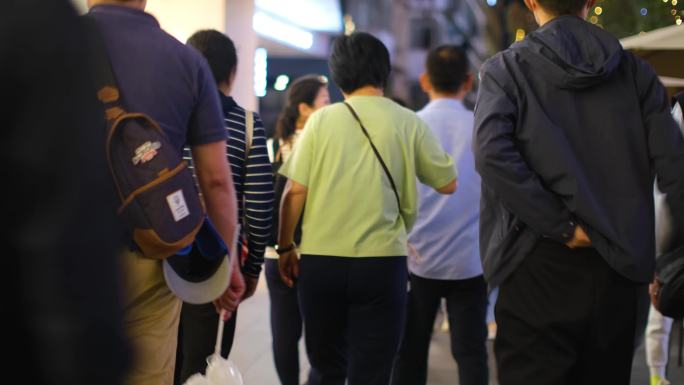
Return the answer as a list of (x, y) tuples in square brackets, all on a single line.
[(668, 38), (663, 48), (672, 82)]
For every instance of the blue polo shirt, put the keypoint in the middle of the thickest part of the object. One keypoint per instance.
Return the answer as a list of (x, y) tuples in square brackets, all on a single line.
[(159, 76)]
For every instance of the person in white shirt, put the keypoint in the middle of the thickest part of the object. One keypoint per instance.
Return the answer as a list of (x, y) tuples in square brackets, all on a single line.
[(444, 252)]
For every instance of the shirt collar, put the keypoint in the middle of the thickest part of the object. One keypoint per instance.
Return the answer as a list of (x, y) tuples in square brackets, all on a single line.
[(445, 103), (227, 102), (111, 9)]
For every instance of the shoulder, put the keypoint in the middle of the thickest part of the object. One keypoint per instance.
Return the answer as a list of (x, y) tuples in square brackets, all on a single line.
[(496, 66), (190, 56), (334, 112), (638, 65), (256, 118)]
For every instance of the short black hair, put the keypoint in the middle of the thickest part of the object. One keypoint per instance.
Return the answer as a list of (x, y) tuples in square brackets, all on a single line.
[(447, 68), (219, 51), (563, 7), (359, 60)]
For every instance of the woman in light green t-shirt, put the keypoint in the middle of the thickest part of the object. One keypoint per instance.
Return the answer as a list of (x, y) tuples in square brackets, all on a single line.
[(352, 274)]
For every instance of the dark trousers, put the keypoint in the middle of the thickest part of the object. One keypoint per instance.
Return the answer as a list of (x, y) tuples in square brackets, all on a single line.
[(353, 312), (467, 311), (565, 318), (197, 339), (286, 325)]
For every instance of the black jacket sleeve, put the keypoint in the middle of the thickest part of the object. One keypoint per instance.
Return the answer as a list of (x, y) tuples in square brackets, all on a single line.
[(504, 169), (665, 141)]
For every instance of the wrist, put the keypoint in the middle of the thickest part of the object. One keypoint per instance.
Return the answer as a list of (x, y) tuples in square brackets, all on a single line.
[(282, 249)]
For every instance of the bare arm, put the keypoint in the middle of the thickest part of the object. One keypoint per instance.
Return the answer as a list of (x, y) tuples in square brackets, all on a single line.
[(448, 189), (291, 207), (216, 183)]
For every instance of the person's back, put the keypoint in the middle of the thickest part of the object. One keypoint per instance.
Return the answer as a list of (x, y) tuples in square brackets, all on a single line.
[(569, 132), (158, 76), (587, 131), (444, 258), (345, 168), (174, 75), (358, 203), (439, 234), (248, 159)]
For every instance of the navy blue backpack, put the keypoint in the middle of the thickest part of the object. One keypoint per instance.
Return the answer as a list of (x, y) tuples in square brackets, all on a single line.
[(159, 199)]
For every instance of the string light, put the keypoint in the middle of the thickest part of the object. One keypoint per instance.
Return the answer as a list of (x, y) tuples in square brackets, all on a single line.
[(519, 34)]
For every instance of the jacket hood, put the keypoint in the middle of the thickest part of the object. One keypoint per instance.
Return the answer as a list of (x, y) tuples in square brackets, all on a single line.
[(572, 53)]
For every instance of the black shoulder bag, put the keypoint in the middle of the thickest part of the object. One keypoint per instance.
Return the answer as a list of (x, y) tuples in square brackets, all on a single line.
[(377, 154)]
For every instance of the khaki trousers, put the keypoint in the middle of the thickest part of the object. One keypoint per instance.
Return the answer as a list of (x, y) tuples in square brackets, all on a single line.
[(152, 313)]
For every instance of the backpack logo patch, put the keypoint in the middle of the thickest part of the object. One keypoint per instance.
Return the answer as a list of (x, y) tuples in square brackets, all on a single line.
[(179, 209), (146, 152)]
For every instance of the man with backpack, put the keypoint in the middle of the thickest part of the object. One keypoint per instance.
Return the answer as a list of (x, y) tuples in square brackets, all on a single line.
[(570, 131), (172, 84)]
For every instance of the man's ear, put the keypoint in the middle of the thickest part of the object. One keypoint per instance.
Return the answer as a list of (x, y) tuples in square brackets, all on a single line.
[(304, 110), (425, 84), (531, 5)]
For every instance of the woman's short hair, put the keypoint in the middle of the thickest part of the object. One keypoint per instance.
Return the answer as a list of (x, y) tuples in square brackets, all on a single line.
[(359, 60)]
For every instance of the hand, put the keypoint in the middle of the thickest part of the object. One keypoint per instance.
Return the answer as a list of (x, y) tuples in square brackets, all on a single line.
[(580, 239), (251, 283), (288, 265), (654, 291), (230, 299)]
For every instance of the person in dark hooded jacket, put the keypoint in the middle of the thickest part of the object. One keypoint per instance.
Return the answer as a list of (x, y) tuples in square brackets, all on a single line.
[(570, 131)]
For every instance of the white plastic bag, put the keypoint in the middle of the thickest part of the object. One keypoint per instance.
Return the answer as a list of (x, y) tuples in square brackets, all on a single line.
[(220, 371)]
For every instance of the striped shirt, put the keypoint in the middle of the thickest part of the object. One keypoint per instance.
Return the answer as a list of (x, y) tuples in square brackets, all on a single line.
[(253, 180)]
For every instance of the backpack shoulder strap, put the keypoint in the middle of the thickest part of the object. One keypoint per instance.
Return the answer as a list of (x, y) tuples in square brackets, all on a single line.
[(107, 89), (249, 132)]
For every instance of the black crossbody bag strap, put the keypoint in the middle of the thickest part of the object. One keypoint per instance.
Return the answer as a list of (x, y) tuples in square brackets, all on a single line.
[(377, 154)]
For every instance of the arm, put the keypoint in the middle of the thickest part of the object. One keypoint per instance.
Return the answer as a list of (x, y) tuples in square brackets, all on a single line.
[(216, 183), (291, 208), (258, 207), (297, 169), (434, 166), (448, 189), (665, 143), (504, 169)]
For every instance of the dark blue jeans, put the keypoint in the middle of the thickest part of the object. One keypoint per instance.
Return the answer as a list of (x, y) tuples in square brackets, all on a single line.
[(286, 325), (354, 310), (467, 310)]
